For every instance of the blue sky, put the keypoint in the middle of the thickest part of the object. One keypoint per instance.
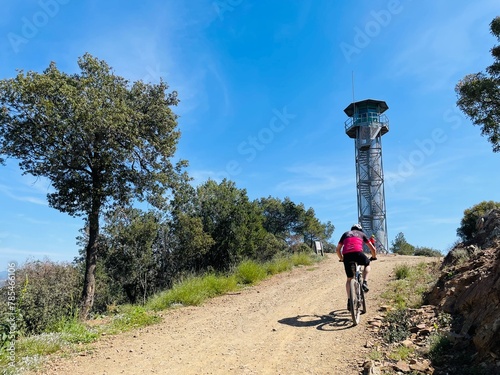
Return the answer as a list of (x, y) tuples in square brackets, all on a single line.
[(263, 86)]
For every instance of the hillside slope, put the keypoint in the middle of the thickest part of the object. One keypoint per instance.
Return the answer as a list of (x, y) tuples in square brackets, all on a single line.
[(293, 323), (469, 288)]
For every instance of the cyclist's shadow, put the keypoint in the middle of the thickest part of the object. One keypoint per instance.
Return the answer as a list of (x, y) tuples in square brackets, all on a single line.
[(336, 320)]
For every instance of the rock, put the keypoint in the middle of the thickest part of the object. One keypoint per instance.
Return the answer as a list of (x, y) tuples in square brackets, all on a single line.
[(419, 366), (408, 343), (369, 368), (402, 366)]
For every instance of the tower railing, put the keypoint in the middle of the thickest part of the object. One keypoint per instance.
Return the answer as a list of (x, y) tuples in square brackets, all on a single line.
[(366, 119)]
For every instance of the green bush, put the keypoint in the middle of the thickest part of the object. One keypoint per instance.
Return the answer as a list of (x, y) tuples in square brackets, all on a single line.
[(46, 292), (467, 229), (427, 252), (398, 326), (439, 347), (303, 248)]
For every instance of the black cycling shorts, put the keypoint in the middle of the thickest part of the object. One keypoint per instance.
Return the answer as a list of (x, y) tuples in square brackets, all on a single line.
[(358, 257)]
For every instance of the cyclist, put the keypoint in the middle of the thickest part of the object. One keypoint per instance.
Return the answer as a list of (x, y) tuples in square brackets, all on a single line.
[(350, 249)]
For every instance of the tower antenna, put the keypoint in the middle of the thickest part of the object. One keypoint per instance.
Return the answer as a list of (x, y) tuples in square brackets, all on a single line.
[(353, 101), (352, 83)]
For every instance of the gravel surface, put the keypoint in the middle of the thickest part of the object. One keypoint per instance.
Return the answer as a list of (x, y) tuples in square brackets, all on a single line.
[(292, 323)]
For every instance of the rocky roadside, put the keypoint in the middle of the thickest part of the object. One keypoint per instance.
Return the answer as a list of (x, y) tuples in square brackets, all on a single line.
[(430, 347), (458, 331)]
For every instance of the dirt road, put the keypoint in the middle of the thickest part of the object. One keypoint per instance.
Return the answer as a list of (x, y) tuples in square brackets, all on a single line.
[(293, 323)]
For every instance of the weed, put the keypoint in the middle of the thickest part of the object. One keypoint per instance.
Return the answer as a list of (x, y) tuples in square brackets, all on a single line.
[(411, 285), (398, 326), (402, 271), (278, 265), (401, 353), (439, 346), (250, 272), (302, 259), (133, 317), (74, 331), (375, 355)]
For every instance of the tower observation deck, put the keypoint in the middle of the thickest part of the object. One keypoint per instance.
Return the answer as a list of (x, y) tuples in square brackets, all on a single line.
[(366, 125)]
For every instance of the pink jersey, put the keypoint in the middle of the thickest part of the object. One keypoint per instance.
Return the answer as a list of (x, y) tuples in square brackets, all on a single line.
[(352, 241)]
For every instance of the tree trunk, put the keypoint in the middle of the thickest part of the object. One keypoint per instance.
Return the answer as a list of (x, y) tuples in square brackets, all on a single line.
[(87, 300)]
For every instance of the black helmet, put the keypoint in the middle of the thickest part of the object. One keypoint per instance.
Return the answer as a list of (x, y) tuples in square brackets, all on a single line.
[(357, 227)]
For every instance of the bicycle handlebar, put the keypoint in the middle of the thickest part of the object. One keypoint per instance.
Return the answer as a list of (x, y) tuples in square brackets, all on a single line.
[(372, 258)]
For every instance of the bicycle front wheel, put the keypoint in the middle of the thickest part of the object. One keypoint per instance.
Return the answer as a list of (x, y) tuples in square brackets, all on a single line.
[(355, 301)]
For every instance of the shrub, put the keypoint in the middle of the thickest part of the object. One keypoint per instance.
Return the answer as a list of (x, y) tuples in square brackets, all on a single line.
[(398, 327), (303, 248), (46, 292), (427, 252), (467, 229), (439, 347)]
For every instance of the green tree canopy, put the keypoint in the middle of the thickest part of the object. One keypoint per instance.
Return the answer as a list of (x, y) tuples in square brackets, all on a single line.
[(286, 220), (401, 246), (467, 228), (232, 221), (99, 139), (479, 95)]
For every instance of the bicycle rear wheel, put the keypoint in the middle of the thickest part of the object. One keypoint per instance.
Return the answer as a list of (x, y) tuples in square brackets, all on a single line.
[(355, 301)]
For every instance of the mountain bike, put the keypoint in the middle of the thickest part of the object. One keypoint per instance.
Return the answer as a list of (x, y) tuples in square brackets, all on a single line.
[(356, 294)]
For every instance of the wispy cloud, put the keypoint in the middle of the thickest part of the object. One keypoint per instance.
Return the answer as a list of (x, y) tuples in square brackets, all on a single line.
[(431, 52), (12, 193), (313, 178)]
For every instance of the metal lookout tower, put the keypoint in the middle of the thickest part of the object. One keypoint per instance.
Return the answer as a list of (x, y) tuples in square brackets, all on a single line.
[(366, 125)]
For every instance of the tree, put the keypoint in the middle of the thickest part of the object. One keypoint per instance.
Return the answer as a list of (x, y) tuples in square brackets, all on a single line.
[(401, 246), (479, 95), (128, 258), (313, 229), (285, 219), (468, 224), (232, 221), (100, 140)]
